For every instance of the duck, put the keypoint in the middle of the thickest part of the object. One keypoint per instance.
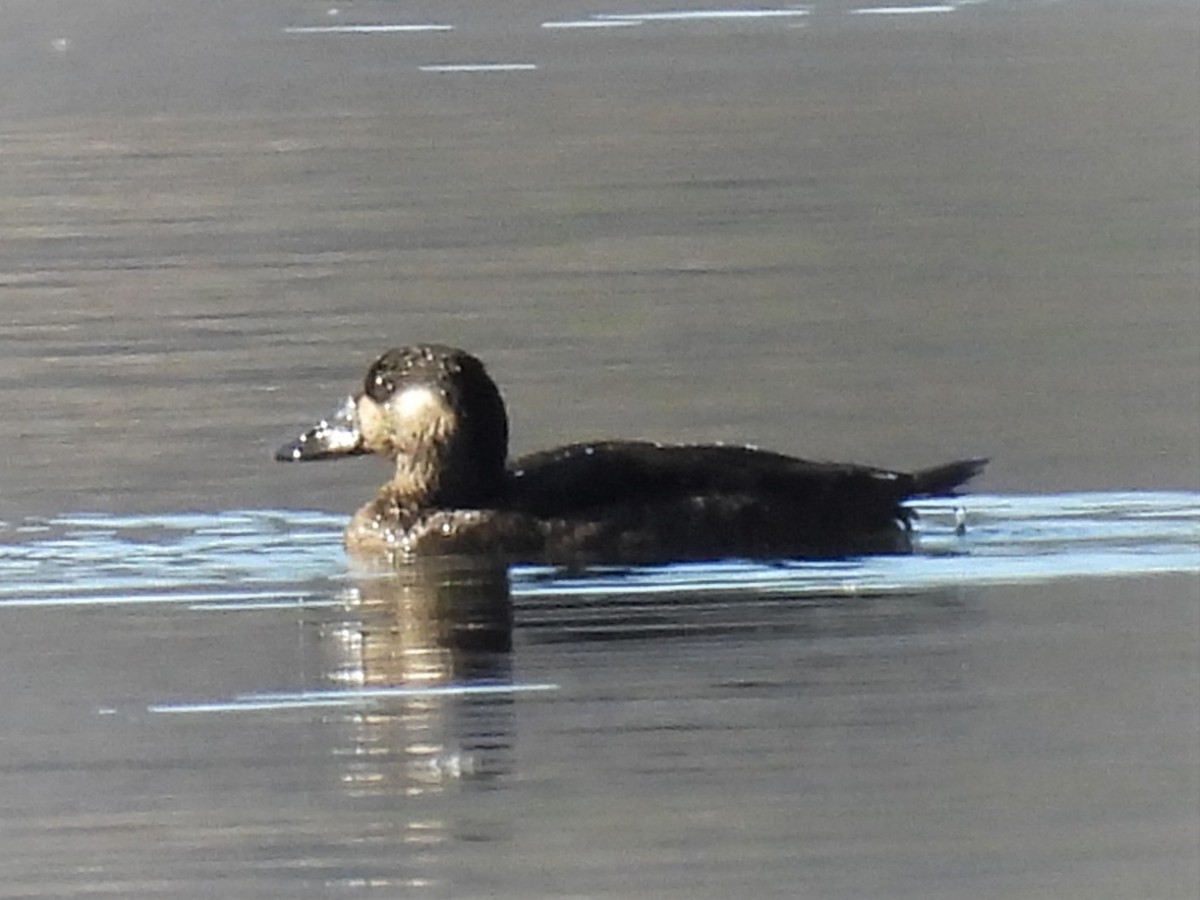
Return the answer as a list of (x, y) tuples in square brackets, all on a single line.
[(436, 415)]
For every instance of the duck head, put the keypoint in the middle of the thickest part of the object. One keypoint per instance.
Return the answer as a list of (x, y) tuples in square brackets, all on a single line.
[(435, 413)]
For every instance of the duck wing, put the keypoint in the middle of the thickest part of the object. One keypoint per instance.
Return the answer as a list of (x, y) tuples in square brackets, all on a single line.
[(581, 478)]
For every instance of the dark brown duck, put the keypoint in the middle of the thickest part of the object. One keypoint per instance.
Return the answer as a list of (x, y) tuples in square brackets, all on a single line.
[(437, 415)]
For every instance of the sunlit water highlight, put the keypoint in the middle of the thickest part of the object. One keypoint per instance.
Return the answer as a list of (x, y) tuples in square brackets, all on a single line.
[(256, 560), (357, 697), (261, 558)]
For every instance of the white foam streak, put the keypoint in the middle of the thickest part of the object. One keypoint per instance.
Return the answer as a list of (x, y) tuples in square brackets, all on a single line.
[(480, 67), (902, 10), (327, 699), (593, 23), (687, 15), (365, 29)]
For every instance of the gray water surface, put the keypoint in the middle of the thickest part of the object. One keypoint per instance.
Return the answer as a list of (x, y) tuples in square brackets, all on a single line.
[(216, 705), (902, 236)]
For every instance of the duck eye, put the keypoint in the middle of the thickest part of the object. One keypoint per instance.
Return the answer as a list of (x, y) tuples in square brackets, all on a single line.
[(378, 386)]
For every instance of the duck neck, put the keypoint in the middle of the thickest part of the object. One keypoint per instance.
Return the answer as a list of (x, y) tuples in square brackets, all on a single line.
[(440, 477)]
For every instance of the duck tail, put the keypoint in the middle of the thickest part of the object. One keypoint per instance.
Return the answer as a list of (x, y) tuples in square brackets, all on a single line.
[(945, 478)]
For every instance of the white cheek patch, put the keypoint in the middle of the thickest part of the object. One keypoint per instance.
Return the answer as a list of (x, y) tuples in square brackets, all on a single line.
[(406, 422), (417, 402)]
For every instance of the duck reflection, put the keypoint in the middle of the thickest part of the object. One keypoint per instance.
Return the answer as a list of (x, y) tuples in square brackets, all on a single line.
[(442, 628)]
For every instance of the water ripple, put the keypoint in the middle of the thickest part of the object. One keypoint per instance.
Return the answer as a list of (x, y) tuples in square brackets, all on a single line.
[(257, 558)]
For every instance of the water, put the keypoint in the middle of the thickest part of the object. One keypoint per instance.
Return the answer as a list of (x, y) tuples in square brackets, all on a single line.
[(216, 704), (254, 559), (900, 236)]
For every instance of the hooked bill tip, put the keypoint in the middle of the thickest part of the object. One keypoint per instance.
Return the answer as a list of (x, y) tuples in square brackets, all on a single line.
[(330, 438), (288, 453), (308, 446)]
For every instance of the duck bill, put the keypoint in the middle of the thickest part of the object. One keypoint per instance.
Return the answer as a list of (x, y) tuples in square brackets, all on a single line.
[(337, 436)]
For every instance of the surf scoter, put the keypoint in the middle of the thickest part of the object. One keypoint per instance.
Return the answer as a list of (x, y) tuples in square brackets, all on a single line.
[(435, 412)]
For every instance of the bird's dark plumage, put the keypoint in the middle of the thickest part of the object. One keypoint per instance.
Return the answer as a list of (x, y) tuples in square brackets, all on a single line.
[(437, 414)]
